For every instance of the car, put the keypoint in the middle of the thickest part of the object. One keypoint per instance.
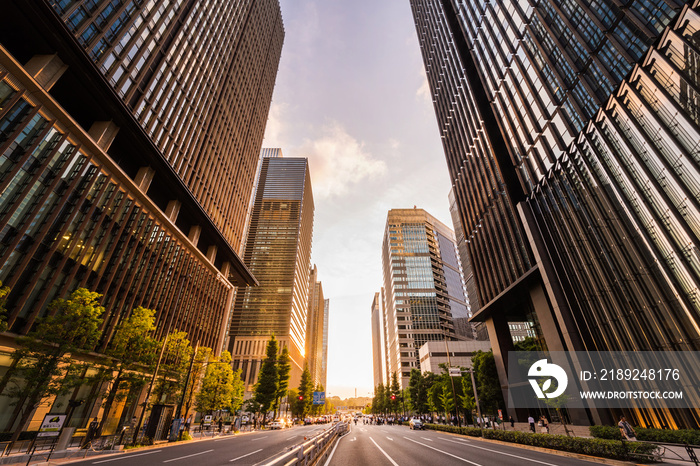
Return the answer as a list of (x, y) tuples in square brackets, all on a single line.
[(415, 423), (278, 424)]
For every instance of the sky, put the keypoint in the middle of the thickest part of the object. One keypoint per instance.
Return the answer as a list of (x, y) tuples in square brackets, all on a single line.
[(351, 95)]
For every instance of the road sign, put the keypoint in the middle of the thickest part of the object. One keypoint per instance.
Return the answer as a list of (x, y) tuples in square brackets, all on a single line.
[(51, 425), (319, 398), (455, 372)]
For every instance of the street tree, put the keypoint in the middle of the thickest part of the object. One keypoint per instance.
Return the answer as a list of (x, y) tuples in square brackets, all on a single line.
[(237, 391), (44, 366), (217, 388), (304, 393), (175, 365), (487, 384), (446, 400), (265, 391), (4, 291), (284, 368), (394, 394), (199, 367), (131, 350)]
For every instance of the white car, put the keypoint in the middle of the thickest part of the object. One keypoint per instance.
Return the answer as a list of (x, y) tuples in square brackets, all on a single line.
[(278, 424), (415, 423)]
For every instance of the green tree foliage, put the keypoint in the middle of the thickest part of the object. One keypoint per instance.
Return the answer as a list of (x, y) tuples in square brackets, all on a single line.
[(217, 388), (487, 384), (379, 400), (130, 347), (237, 392), (395, 393), (305, 391), (44, 366), (284, 368), (446, 400), (265, 391), (467, 398), (4, 291)]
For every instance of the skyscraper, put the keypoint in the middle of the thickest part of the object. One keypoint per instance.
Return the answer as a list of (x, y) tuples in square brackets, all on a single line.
[(278, 253), (571, 140), (423, 286), (127, 165), (378, 356), (315, 329)]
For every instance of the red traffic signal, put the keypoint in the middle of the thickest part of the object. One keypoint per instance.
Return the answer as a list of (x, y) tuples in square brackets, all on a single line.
[(301, 397), (393, 397)]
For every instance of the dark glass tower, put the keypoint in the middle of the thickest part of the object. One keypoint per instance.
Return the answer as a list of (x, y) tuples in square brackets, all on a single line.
[(571, 134), (278, 252)]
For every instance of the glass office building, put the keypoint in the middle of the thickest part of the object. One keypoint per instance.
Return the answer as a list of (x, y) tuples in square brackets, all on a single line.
[(117, 167), (278, 253), (424, 289), (571, 134)]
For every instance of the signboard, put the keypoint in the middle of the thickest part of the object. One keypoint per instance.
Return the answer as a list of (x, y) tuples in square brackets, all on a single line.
[(319, 398), (500, 414), (51, 425), (207, 420), (455, 372)]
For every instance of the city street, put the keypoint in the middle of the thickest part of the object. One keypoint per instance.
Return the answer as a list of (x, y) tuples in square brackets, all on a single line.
[(400, 446), (245, 449)]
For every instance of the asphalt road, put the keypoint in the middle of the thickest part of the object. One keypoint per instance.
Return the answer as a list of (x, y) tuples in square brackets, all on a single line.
[(235, 450), (399, 446)]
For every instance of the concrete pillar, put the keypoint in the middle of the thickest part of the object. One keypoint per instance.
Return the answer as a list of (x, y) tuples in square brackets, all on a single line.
[(46, 69), (195, 231), (144, 178), (225, 269), (211, 253), (103, 133), (173, 210)]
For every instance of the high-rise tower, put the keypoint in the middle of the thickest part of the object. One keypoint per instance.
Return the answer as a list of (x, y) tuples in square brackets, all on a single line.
[(278, 253), (316, 322), (423, 286), (570, 133)]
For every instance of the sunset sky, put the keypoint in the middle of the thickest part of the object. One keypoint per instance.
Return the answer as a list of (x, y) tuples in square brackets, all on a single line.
[(351, 95)]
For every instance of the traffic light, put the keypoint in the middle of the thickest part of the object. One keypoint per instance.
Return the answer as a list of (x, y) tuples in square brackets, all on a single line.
[(301, 397), (393, 397)]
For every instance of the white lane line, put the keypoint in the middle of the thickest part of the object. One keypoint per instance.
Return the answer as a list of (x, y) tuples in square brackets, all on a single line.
[(385, 454), (443, 452), (188, 456), (260, 438), (390, 439), (463, 442), (293, 436), (251, 453), (127, 457), (328, 461), (226, 438), (514, 456), (426, 439)]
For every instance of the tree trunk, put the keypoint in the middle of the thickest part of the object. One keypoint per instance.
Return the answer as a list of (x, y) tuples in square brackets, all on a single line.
[(110, 398), (26, 416)]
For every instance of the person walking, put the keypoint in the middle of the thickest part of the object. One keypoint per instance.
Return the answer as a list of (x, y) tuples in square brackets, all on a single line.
[(544, 426), (626, 430), (531, 421), (512, 422)]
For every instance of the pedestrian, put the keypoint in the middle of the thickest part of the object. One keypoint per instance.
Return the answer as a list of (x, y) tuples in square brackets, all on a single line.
[(91, 433), (531, 421), (512, 422), (626, 430), (544, 426), (221, 424)]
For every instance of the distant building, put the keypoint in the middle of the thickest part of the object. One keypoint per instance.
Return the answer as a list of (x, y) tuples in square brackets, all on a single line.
[(424, 289), (377, 340), (451, 353), (315, 324), (324, 349), (278, 253)]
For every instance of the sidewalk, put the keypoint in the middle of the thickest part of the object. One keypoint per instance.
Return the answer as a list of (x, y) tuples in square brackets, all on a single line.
[(75, 453)]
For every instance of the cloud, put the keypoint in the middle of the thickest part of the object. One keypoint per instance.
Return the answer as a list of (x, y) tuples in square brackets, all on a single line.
[(338, 161), (275, 126), (423, 91)]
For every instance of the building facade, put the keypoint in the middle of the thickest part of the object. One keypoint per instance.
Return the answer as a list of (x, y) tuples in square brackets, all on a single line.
[(315, 325), (451, 353), (378, 356), (423, 286), (278, 253), (104, 158), (570, 130)]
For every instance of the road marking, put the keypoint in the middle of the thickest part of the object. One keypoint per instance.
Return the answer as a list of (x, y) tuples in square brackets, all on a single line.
[(353, 439), (188, 456), (253, 440), (251, 453), (454, 441), (293, 436), (385, 454), (328, 461), (390, 439), (514, 456), (126, 457), (444, 452), (426, 439)]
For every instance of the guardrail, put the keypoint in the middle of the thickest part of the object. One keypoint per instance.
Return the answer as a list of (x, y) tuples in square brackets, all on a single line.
[(312, 450)]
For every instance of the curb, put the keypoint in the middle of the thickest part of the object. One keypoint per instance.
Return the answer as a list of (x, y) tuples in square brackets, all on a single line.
[(567, 454)]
